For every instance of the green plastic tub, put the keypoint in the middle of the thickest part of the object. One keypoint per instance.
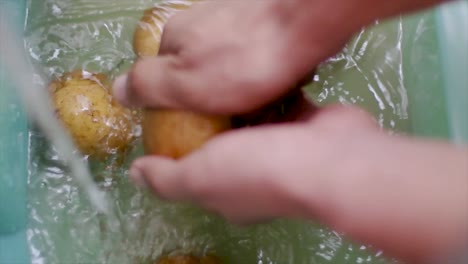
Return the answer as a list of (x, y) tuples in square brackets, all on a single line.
[(13, 161), (434, 66)]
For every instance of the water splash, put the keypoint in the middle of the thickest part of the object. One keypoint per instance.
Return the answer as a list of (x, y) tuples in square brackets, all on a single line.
[(37, 104)]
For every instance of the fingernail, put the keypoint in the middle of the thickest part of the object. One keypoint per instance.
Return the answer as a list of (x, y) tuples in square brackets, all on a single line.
[(119, 88), (137, 177)]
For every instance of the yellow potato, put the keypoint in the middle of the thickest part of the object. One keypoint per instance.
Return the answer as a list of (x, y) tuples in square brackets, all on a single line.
[(171, 133), (147, 35), (189, 259), (98, 125), (175, 133)]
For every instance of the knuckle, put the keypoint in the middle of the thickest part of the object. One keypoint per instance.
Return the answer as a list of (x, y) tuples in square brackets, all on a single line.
[(176, 35), (194, 34), (182, 92), (228, 95)]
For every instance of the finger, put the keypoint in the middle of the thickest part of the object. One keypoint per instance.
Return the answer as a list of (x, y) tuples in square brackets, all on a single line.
[(152, 82), (191, 177), (215, 175), (175, 34), (337, 117), (188, 179), (172, 82), (162, 176), (258, 173)]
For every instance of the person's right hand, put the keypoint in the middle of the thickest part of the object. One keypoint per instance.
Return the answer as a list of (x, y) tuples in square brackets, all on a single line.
[(230, 57), (405, 196)]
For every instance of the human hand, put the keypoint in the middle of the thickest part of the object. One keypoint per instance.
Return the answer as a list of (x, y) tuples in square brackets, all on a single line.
[(256, 174), (234, 57), (230, 57), (407, 197), (290, 170)]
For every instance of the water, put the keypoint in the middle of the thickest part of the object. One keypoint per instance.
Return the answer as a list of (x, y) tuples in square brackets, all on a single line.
[(368, 73), (63, 35)]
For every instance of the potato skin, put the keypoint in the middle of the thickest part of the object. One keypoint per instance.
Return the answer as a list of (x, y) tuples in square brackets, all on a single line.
[(171, 133), (98, 125), (147, 35), (176, 133)]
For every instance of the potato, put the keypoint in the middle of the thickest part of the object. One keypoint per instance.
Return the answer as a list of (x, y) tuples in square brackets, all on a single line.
[(98, 125), (175, 133), (189, 259), (147, 35), (171, 133)]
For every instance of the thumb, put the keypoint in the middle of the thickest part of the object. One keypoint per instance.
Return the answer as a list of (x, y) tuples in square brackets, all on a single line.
[(173, 82), (153, 82), (161, 175)]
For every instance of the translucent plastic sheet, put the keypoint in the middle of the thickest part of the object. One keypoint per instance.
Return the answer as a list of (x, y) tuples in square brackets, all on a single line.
[(368, 73), (65, 35)]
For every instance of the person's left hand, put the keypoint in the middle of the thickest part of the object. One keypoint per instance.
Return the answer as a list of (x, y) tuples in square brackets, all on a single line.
[(258, 173), (405, 196)]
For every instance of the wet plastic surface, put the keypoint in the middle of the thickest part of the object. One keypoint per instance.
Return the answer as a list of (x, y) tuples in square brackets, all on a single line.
[(92, 36), (65, 35), (13, 157)]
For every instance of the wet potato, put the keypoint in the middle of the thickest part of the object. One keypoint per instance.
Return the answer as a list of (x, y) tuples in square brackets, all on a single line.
[(171, 133), (147, 35), (98, 125), (177, 133)]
